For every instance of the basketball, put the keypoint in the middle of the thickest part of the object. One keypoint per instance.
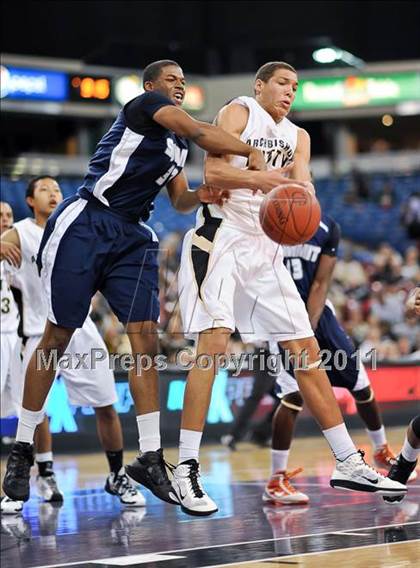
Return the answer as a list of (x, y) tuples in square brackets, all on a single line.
[(290, 216)]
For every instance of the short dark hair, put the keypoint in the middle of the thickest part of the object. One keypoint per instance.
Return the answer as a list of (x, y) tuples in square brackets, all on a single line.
[(30, 190), (153, 70), (266, 71)]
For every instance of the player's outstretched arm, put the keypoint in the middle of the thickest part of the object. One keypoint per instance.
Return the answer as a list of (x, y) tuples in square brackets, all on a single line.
[(10, 247), (207, 136), (185, 200), (219, 171)]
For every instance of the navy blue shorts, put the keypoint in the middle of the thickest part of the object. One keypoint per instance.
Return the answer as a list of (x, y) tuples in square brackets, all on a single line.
[(338, 355), (86, 247)]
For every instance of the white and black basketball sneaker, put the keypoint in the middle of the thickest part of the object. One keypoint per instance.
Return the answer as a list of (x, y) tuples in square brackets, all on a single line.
[(354, 474), (18, 471), (48, 489), (119, 484), (189, 491), (10, 507)]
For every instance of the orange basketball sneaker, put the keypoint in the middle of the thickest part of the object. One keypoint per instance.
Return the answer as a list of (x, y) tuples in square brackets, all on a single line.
[(384, 459), (280, 491)]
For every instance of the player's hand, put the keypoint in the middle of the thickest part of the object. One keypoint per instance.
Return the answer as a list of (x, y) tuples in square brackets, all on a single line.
[(256, 160), (212, 194), (266, 181), (11, 253), (310, 187)]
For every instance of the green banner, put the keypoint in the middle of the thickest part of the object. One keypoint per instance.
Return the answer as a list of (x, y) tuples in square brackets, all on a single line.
[(357, 91)]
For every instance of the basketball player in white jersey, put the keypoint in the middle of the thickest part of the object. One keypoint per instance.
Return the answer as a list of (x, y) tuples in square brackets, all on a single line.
[(93, 386), (10, 363), (232, 275)]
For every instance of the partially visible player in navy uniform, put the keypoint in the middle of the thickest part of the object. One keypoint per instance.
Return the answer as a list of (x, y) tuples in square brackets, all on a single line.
[(97, 240), (311, 265)]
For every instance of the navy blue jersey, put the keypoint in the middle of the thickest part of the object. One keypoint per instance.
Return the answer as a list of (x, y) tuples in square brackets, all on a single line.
[(302, 260), (134, 159)]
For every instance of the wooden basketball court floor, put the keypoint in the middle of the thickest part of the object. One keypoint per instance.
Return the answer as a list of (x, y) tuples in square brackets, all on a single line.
[(344, 529)]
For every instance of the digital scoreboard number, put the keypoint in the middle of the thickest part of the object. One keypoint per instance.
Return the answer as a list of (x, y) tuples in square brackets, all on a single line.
[(89, 88)]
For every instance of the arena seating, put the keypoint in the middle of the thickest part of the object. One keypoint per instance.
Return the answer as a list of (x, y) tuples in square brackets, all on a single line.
[(362, 222)]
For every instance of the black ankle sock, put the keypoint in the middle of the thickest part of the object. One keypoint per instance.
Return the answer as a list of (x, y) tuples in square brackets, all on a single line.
[(45, 468), (115, 460)]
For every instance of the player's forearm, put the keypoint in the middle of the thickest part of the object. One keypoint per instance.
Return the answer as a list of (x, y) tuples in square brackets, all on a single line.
[(216, 141), (220, 173), (186, 202), (316, 303)]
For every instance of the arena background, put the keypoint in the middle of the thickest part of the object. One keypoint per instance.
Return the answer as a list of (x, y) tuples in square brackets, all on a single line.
[(62, 83)]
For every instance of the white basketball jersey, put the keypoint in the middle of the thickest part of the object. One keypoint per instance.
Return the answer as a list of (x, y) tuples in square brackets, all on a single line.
[(26, 278), (9, 311), (278, 142)]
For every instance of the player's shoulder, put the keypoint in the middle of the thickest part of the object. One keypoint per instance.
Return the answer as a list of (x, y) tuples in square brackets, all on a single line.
[(234, 113), (149, 97), (303, 135)]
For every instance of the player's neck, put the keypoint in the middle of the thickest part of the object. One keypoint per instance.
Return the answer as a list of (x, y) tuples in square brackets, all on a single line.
[(40, 220), (277, 119)]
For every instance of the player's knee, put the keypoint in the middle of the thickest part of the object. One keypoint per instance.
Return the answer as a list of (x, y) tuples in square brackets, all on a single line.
[(363, 396), (56, 339), (106, 413), (215, 342), (293, 401)]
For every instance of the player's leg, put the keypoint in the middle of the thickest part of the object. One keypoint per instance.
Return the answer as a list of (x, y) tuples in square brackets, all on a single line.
[(279, 488), (206, 286), (281, 312), (149, 467), (187, 484), (110, 435), (68, 262), (7, 506), (93, 384), (46, 482), (407, 459)]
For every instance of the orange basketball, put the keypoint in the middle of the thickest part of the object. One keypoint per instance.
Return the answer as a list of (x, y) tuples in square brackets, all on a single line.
[(290, 216)]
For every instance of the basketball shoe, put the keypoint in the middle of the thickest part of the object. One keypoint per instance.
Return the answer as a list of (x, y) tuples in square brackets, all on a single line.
[(18, 471), (47, 487), (10, 507), (188, 490), (119, 484), (400, 472), (384, 459), (149, 469), (280, 491), (354, 474)]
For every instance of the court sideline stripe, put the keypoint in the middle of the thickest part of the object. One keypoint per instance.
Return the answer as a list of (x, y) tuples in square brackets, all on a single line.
[(78, 563), (279, 558)]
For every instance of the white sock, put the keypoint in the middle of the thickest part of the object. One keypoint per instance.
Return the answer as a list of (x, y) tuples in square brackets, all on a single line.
[(149, 431), (377, 437), (408, 452), (279, 459), (340, 441), (189, 445), (44, 457), (28, 421)]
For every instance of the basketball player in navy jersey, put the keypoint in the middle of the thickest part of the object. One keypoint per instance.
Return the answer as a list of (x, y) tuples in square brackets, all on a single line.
[(311, 265), (98, 240)]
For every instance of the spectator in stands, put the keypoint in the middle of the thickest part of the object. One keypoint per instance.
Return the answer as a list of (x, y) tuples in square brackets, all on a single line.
[(386, 197), (349, 272), (387, 264), (359, 188), (410, 217), (387, 303), (411, 269)]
